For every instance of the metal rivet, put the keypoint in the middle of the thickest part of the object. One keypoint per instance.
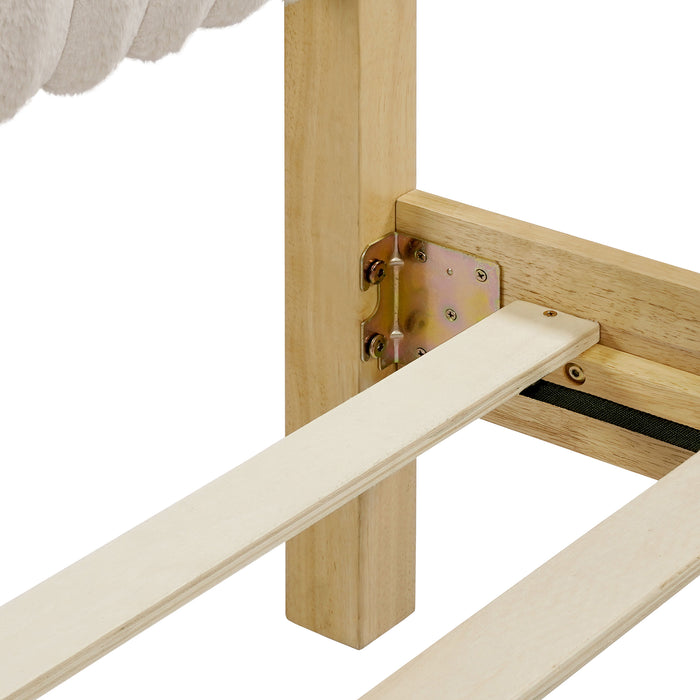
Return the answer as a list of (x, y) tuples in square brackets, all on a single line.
[(421, 351), (576, 373), (375, 272), (550, 313), (376, 345), (450, 271), (450, 315), (481, 275)]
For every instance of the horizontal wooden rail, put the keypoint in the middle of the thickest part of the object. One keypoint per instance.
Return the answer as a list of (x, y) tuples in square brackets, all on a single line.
[(589, 436), (80, 614), (641, 384), (544, 629), (649, 314)]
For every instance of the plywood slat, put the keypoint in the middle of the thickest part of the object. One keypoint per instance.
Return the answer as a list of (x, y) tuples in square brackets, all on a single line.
[(73, 618), (545, 628)]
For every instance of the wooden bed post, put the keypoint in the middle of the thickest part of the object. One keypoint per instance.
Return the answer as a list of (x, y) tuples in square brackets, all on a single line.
[(350, 153)]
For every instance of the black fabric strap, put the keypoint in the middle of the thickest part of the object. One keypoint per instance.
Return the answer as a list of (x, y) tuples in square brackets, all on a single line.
[(610, 412)]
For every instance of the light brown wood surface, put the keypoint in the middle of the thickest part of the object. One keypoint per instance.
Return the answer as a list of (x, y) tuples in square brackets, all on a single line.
[(590, 437), (350, 152), (545, 628), (649, 313), (645, 308), (80, 614), (642, 384)]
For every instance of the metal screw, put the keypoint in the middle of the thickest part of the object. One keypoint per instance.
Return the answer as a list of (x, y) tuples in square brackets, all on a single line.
[(575, 373), (550, 313), (481, 275), (376, 345), (450, 271), (450, 315), (375, 272), (421, 351), (420, 255)]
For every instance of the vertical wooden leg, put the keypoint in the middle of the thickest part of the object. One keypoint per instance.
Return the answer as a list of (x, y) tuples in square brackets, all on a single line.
[(350, 153)]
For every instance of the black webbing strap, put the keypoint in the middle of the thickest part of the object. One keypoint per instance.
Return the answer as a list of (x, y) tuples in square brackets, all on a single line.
[(610, 412)]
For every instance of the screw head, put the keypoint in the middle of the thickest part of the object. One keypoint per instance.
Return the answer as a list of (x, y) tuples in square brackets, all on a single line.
[(376, 346), (420, 255), (549, 313), (375, 272), (421, 351), (481, 275), (575, 373), (451, 315), (450, 271)]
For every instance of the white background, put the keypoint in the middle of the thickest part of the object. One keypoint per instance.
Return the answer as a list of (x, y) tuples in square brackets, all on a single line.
[(141, 317)]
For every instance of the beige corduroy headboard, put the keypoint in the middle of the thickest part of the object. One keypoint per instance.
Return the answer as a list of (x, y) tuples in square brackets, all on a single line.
[(69, 46)]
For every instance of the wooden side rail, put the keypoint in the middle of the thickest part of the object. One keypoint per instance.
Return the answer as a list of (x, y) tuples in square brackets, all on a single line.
[(80, 614), (544, 629), (649, 325)]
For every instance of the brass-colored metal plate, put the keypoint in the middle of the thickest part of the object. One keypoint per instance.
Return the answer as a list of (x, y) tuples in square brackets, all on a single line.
[(427, 295)]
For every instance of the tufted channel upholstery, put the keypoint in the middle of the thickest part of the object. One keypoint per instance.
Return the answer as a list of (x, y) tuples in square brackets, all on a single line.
[(69, 46)]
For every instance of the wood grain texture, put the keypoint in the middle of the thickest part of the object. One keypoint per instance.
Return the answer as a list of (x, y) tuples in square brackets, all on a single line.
[(645, 308), (350, 152), (546, 627), (81, 613), (638, 383), (590, 437), (649, 313)]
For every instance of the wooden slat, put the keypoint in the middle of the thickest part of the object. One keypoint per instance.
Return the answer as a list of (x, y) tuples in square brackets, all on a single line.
[(70, 620), (649, 313), (642, 384), (545, 628), (590, 437), (350, 152)]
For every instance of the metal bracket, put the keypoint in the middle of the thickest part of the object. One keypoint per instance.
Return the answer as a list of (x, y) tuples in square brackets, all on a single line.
[(426, 295)]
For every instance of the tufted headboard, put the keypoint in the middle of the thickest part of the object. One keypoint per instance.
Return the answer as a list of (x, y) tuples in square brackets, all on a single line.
[(69, 46)]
